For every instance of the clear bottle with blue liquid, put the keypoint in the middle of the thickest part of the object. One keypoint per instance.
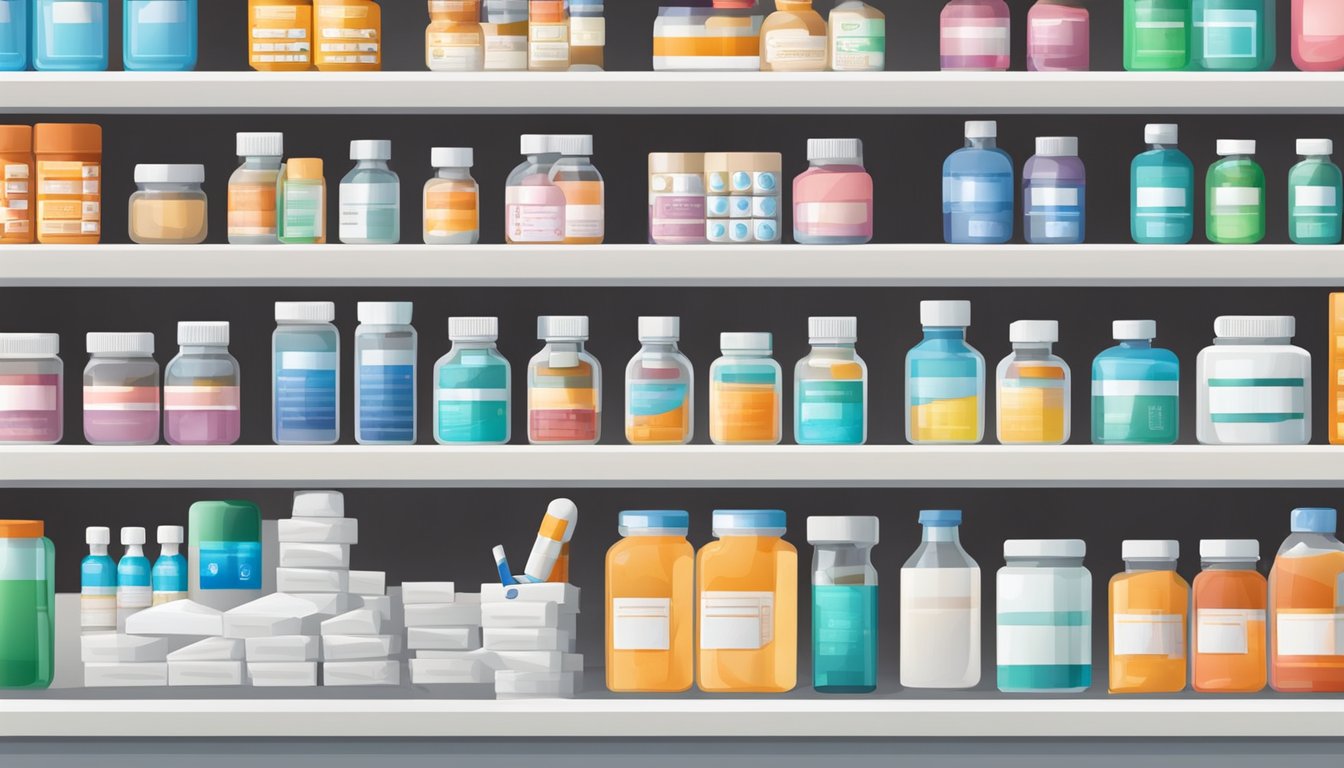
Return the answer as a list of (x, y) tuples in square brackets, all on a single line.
[(978, 189), (306, 382), (831, 386), (1135, 389), (385, 365), (70, 35), (14, 35), (135, 590), (944, 379), (844, 604), (169, 575), (98, 584), (1054, 186), (159, 35), (1162, 189), (472, 386)]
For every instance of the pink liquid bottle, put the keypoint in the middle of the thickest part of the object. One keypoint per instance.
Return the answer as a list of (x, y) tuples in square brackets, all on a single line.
[(534, 207), (973, 34), (1058, 33), (1318, 35), (201, 388), (833, 200)]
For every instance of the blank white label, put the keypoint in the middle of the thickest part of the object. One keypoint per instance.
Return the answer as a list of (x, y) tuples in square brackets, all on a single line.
[(1310, 634), (387, 357), (1144, 634), (1236, 196), (1160, 197), (641, 623), (67, 12), (1224, 631), (736, 620), (1316, 197), (1059, 197)]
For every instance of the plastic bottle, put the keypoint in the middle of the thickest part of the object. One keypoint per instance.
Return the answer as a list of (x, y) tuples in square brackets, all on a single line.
[(224, 558), (833, 199), (844, 604), (371, 196), (584, 190), (650, 597), (134, 583), (201, 388), (27, 605), (1229, 611), (1034, 387), (159, 35), (97, 583), (1058, 36), (677, 198), (505, 29), (1162, 189), (1306, 601), (1135, 389), (534, 207), (302, 212), (747, 590), (32, 385), (1157, 35), (944, 379), (1044, 617), (252, 189), (564, 385), (121, 390), (1335, 393), (793, 38), (978, 189), (1318, 35), (587, 35), (169, 575), (1254, 387), (831, 386), (1233, 35), (1149, 605), (385, 378), (472, 390), (940, 608), (14, 36), (693, 36), (280, 35), (857, 39), (974, 35), (745, 390), (659, 387), (454, 41), (347, 35), (1054, 186), (306, 381), (452, 199), (16, 182), (69, 182), (1235, 195), (1315, 195), (548, 36), (70, 35), (168, 206)]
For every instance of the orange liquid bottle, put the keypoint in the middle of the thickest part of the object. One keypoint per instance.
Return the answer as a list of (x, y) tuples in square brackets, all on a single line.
[(1335, 406), (650, 599), (348, 35), (1229, 626), (1306, 598), (1149, 605), (69, 186), (280, 35), (16, 184)]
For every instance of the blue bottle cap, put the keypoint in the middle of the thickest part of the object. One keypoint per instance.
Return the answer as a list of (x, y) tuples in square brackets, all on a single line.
[(749, 520), (671, 520), (940, 518), (1314, 520)]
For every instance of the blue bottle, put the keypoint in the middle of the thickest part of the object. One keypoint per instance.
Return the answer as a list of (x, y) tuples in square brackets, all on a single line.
[(1162, 189), (306, 381), (97, 584), (159, 35), (385, 350), (135, 590), (944, 379), (471, 385), (831, 386), (1054, 186), (1135, 389), (978, 189), (844, 604), (70, 35), (14, 35), (169, 575)]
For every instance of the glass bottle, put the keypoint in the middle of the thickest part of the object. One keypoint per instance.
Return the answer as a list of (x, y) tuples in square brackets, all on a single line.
[(452, 199), (659, 387), (564, 385), (472, 389), (1135, 389), (1229, 619), (650, 596), (1306, 600), (1034, 387), (745, 391), (944, 379), (1149, 606), (1315, 195), (385, 374), (831, 386), (1235, 195), (370, 196), (202, 403), (1054, 186), (1157, 35), (844, 604), (1162, 189), (940, 608), (978, 189)]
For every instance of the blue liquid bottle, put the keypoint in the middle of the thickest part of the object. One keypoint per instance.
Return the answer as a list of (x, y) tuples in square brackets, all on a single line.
[(1162, 189), (159, 35), (97, 584), (70, 35), (14, 35), (844, 604), (471, 385), (831, 386), (1054, 186), (978, 189), (385, 374), (944, 379), (134, 585), (169, 576), (306, 382), (1135, 389)]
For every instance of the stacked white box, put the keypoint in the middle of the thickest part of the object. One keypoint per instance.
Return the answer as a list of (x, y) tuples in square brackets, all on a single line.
[(356, 652), (141, 656), (443, 628), (530, 631)]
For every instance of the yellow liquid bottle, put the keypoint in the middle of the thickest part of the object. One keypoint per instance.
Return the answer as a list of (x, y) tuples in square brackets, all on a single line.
[(650, 599), (793, 38), (348, 35), (1150, 617), (280, 35), (1033, 387)]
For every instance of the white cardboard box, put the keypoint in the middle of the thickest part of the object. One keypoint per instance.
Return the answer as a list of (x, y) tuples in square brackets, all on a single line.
[(138, 675), (330, 603), (301, 555), (509, 684), (488, 658), (285, 649), (515, 615), (564, 595), (380, 604), (180, 617), (211, 649), (312, 580), (114, 648), (361, 673), (450, 671), (540, 661), (534, 639), (361, 621), (282, 674), (443, 615), (416, 592), (368, 582), (274, 614), (443, 638), (319, 530), (318, 504), (359, 647), (184, 673)]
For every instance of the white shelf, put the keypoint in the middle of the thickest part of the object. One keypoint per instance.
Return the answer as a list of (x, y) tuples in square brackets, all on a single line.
[(652, 467), (660, 265), (672, 92)]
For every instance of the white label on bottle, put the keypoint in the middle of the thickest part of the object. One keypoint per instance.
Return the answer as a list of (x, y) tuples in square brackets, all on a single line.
[(163, 12), (1236, 197), (98, 608), (978, 40), (736, 620), (308, 361), (831, 213), (795, 46), (1134, 388), (1316, 197), (641, 623), (72, 12), (28, 397), (1224, 631), (1160, 197), (1310, 634), (5, 18), (587, 31), (584, 221), (1257, 399), (134, 597), (1059, 197), (380, 357), (1149, 634), (1043, 644), (980, 191), (1055, 31), (370, 194)]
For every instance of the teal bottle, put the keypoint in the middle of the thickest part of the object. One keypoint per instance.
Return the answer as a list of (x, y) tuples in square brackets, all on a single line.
[(98, 584), (844, 604), (1315, 195), (1235, 195), (169, 575), (1162, 190), (831, 386), (1135, 389), (1233, 35)]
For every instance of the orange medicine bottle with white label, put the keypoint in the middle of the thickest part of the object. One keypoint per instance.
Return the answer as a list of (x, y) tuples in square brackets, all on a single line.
[(348, 35), (69, 182), (454, 41), (1228, 653), (1150, 606), (650, 604), (16, 184), (1306, 600), (280, 35), (252, 189), (547, 36), (452, 199), (585, 192)]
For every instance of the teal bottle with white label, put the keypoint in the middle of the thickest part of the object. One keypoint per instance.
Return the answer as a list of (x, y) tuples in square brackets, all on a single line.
[(1162, 190), (831, 386), (471, 385), (1314, 195), (1135, 389), (1233, 35)]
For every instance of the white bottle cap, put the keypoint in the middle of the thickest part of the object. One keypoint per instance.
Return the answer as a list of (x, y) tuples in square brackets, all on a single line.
[(659, 328), (169, 534), (1127, 330), (534, 144), (945, 314), (318, 504), (982, 129), (125, 343), (575, 145), (1028, 548), (1315, 147), (384, 312), (305, 311), (1033, 331), (452, 157), (261, 144), (1150, 549), (371, 149), (1057, 146), (473, 329), (211, 334), (1160, 133), (131, 536), (860, 529), (1229, 549), (25, 344), (751, 342), (1228, 147), (562, 328), (169, 174), (1255, 327), (832, 330), (97, 534), (835, 151)]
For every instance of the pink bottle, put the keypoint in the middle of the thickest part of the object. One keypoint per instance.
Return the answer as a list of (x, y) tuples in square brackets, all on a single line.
[(31, 380), (974, 35), (121, 390), (1058, 35), (201, 388), (833, 200), (1318, 35)]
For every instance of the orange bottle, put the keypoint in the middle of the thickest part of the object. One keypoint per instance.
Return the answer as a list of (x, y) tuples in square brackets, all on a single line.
[(1229, 626), (650, 595), (585, 192), (1149, 606), (69, 182), (1336, 339), (547, 36), (280, 35), (1306, 599), (16, 184), (348, 35)]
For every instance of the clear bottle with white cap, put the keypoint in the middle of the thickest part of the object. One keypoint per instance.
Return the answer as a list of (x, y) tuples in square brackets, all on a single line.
[(1054, 187), (472, 386), (1306, 602), (1253, 386), (534, 207), (98, 583), (32, 387), (1162, 189), (121, 390), (745, 391), (169, 575), (135, 589), (370, 196), (1034, 387), (585, 192), (1234, 195), (252, 189), (1228, 632), (659, 387), (201, 388), (385, 374), (830, 386), (306, 367), (1043, 611), (1315, 195), (452, 199), (940, 608), (564, 385), (844, 604), (1135, 389), (168, 206), (944, 379), (1149, 620), (978, 189), (833, 199)]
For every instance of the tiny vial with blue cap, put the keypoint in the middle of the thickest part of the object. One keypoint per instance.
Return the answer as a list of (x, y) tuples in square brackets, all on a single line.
[(1306, 601), (650, 604), (844, 604), (940, 608)]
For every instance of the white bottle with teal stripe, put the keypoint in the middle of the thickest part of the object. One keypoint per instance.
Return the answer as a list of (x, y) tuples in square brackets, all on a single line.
[(1254, 386), (1044, 617)]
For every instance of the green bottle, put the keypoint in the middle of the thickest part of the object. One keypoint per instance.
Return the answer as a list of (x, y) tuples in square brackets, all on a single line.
[(1314, 195), (1235, 195), (1157, 35)]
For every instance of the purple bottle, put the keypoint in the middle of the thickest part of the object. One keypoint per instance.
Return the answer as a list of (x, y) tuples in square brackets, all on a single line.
[(1053, 186), (201, 388), (973, 34), (121, 390), (1058, 37)]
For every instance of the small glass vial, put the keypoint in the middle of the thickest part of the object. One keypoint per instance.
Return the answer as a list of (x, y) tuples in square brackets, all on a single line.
[(169, 574), (844, 604), (1044, 616), (97, 583), (472, 389), (1253, 386), (745, 391), (303, 202), (1234, 195), (584, 190), (659, 387), (1033, 387), (135, 584), (454, 41), (830, 386), (201, 388), (32, 383), (121, 390), (252, 189), (306, 381), (651, 604), (168, 206), (370, 196), (1229, 598), (944, 379), (452, 201), (385, 357), (1054, 186), (534, 207), (564, 385), (1135, 389), (1149, 607), (833, 199), (1315, 194)]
